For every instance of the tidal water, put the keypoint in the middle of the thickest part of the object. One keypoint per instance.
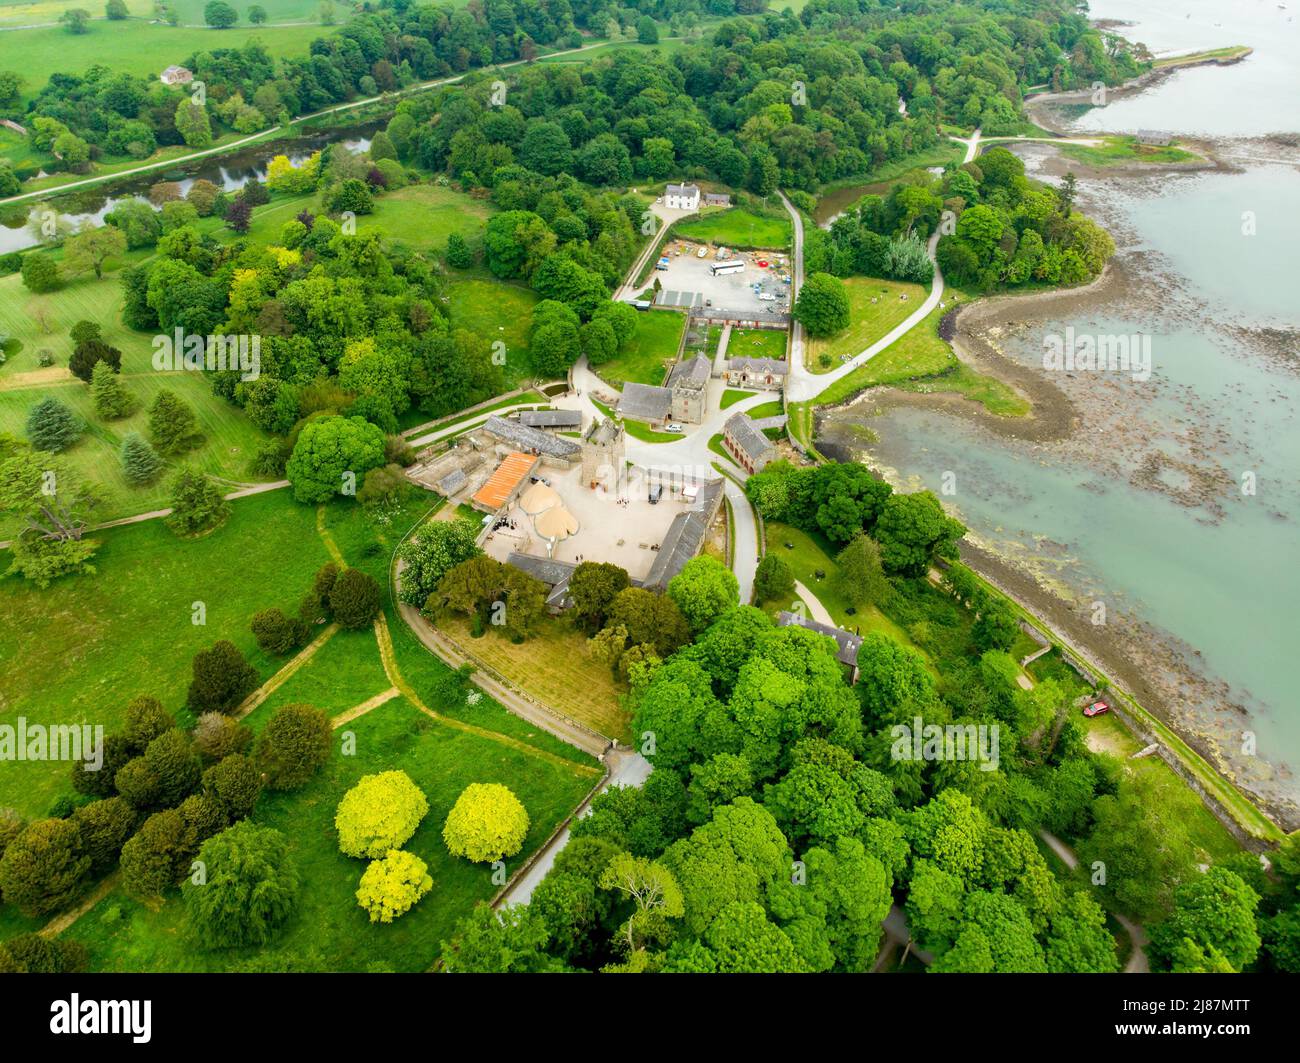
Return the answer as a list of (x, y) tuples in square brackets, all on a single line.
[(1177, 501)]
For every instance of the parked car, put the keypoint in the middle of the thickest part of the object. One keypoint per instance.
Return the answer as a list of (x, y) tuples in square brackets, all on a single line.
[(701, 252), (767, 297), (672, 428), (1097, 708)]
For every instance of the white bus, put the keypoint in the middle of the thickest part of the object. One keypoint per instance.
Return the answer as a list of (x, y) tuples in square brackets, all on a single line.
[(734, 265)]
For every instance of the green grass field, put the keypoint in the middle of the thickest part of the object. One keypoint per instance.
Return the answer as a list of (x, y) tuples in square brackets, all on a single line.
[(734, 395), (923, 362), (329, 931), (35, 12), (81, 649), (738, 228), (1119, 150), (229, 438), (811, 554), (496, 310), (424, 216), (650, 352), (758, 343), (137, 47), (875, 307)]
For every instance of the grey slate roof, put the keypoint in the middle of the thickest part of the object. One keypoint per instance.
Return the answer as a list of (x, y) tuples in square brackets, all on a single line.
[(680, 190), (775, 366), (551, 418), (692, 372), (452, 482), (846, 641), (720, 198), (522, 437), (685, 536), (643, 402), (746, 435), (549, 571)]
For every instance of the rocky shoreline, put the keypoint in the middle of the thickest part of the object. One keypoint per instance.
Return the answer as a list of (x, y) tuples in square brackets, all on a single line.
[(1180, 461)]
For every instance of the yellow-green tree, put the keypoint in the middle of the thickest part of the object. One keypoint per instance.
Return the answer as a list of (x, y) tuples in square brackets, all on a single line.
[(487, 823), (283, 176), (392, 884), (380, 813)]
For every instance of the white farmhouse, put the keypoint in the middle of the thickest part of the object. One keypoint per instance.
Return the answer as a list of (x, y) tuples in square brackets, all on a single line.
[(175, 75), (682, 197)]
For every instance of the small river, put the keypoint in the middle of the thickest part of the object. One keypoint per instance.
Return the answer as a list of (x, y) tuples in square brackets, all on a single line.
[(20, 225), (1176, 501)]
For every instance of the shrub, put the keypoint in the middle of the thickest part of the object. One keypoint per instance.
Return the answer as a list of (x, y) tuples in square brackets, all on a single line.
[(105, 827), (277, 633), (197, 503), (222, 679), (34, 954), (235, 783), (157, 856), (216, 736), (391, 885), (250, 887), (44, 868), (487, 823), (176, 766), (380, 813), (293, 745), (355, 599)]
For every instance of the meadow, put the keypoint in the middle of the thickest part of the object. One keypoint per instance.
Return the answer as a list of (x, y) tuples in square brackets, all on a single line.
[(649, 353), (758, 343), (738, 228), (137, 47), (43, 322), (875, 307)]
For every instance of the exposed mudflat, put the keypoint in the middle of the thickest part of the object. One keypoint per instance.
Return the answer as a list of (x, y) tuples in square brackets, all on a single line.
[(1170, 439)]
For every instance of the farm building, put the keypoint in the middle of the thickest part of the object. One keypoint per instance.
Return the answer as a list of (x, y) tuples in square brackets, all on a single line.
[(682, 197), (766, 373), (745, 442), (846, 643)]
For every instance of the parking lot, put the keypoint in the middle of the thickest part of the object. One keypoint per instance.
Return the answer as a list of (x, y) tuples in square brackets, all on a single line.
[(689, 281)]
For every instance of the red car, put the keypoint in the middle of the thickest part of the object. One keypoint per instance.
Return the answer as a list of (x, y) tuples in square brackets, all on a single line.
[(1096, 709)]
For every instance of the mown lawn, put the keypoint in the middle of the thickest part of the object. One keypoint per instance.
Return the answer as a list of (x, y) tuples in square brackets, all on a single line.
[(424, 216), (329, 931), (757, 343), (134, 46), (811, 554), (496, 310), (78, 651), (650, 352), (230, 440), (1125, 149), (875, 307), (924, 362), (739, 228), (554, 667)]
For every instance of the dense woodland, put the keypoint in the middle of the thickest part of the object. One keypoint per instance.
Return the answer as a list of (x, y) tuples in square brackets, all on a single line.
[(765, 100)]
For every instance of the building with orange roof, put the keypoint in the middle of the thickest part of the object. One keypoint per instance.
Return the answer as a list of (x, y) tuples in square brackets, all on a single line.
[(504, 484)]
